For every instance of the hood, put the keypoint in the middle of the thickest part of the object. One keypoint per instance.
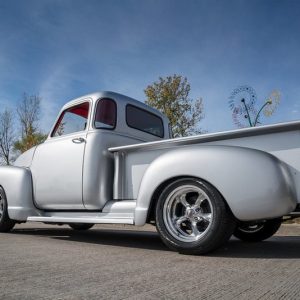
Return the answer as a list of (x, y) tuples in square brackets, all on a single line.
[(25, 159)]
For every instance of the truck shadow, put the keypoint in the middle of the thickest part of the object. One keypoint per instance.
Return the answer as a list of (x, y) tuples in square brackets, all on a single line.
[(122, 238), (275, 247)]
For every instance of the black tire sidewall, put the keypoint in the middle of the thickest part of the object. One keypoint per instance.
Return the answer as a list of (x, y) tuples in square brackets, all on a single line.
[(3, 217), (269, 228), (6, 224)]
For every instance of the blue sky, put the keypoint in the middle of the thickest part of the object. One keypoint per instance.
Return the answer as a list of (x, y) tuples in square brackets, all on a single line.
[(64, 49)]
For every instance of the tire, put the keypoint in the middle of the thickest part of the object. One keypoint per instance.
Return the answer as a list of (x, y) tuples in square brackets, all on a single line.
[(257, 232), (81, 226), (192, 217), (6, 224)]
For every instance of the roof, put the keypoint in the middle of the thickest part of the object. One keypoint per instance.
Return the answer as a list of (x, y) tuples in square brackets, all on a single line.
[(115, 96)]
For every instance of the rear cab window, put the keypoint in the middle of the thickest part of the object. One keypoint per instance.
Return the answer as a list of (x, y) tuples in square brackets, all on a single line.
[(106, 114), (73, 119), (144, 120)]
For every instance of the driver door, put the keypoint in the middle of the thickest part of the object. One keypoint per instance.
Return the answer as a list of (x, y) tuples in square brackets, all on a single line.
[(57, 166)]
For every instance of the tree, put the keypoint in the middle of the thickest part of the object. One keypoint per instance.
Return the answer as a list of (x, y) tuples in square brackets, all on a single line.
[(170, 95), (7, 136), (29, 141), (28, 113)]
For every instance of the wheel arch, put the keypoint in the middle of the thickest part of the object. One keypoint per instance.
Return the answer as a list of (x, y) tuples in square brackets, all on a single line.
[(155, 196), (167, 182)]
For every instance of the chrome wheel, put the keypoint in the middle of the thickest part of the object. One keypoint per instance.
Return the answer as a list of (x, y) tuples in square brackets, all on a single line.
[(192, 217), (257, 232), (188, 213), (251, 228)]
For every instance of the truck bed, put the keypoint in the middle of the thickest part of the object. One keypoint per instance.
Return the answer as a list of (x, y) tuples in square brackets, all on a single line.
[(213, 137), (281, 140)]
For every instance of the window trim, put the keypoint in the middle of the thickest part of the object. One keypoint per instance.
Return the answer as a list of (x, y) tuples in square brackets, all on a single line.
[(58, 120), (149, 112), (95, 111)]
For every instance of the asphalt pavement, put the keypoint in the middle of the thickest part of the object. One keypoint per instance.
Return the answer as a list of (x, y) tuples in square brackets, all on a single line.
[(40, 261)]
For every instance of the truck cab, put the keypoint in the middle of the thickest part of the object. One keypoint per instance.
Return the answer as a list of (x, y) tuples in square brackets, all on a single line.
[(73, 169)]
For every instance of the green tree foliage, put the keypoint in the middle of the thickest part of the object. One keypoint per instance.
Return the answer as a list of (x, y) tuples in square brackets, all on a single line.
[(28, 113), (170, 95), (29, 141)]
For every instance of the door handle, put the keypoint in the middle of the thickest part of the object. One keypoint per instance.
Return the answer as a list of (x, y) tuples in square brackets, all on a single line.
[(78, 140)]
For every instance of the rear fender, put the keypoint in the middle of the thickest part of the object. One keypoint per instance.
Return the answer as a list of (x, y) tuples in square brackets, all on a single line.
[(255, 184)]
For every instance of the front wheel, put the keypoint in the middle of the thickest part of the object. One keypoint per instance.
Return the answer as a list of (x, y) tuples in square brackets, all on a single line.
[(257, 232), (81, 226), (6, 224), (192, 217)]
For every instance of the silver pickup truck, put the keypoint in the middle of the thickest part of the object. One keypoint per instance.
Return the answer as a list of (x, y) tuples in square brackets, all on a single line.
[(198, 191)]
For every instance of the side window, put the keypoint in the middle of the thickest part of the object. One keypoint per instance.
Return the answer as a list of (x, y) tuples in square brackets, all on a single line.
[(73, 119), (106, 114), (145, 121)]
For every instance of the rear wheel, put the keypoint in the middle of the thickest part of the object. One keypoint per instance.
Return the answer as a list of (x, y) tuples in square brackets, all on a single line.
[(81, 226), (6, 224), (192, 217), (257, 232)]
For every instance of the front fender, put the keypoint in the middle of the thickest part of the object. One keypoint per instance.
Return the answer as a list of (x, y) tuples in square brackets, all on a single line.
[(17, 184), (255, 184)]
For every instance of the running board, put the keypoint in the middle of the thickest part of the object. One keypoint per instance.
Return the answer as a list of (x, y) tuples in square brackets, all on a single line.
[(114, 212), (83, 219)]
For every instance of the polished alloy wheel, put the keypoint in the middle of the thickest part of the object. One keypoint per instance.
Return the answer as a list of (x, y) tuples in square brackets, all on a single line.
[(257, 232), (188, 213), (251, 228)]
